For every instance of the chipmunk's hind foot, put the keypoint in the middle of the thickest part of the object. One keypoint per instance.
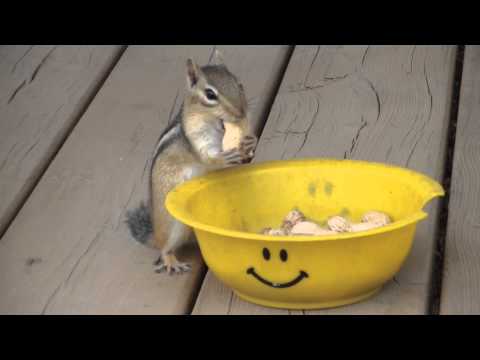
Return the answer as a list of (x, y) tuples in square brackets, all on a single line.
[(170, 264)]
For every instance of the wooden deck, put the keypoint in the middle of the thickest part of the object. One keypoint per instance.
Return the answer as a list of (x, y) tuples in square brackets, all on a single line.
[(78, 123)]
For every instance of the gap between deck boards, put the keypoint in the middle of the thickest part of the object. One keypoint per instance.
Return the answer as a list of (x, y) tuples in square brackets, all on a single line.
[(262, 124), (439, 251), (42, 171)]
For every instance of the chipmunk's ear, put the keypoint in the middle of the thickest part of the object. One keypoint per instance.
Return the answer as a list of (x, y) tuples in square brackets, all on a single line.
[(193, 73), (218, 58)]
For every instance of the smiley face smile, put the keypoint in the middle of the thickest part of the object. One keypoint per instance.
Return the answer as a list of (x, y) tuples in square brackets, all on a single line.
[(303, 274), (284, 257)]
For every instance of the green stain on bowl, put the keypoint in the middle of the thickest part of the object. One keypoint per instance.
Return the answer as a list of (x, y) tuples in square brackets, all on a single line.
[(243, 224), (312, 189), (328, 188), (345, 213), (323, 223)]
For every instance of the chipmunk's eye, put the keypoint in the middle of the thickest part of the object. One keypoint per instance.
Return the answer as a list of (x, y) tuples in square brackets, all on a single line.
[(210, 94)]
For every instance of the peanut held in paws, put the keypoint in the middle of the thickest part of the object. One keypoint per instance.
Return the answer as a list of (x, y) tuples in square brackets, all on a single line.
[(233, 136), (236, 138)]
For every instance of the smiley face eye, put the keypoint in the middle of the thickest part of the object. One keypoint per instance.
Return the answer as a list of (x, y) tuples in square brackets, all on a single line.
[(266, 254), (283, 255)]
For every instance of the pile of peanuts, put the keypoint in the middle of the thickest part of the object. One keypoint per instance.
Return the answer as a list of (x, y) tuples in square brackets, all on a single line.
[(295, 223)]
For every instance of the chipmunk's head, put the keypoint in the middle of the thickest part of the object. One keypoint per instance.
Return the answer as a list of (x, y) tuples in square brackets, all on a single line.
[(214, 90)]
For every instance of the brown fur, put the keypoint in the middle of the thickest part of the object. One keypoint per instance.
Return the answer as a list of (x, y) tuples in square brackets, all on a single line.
[(192, 148), (167, 172)]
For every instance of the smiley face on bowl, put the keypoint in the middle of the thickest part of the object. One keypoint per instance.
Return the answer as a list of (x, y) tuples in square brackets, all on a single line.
[(283, 255), (301, 273)]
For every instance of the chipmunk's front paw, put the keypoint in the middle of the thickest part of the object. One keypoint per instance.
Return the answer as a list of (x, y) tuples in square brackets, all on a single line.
[(248, 144), (232, 157), (171, 265)]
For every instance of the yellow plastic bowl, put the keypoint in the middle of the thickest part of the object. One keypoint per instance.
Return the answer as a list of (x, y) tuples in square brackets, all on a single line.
[(228, 208)]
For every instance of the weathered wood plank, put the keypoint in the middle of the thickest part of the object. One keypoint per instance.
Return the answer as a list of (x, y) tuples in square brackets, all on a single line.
[(43, 90), (387, 104), (68, 250), (461, 276)]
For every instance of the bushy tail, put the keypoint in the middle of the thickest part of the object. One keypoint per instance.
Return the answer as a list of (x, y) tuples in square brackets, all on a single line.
[(140, 223)]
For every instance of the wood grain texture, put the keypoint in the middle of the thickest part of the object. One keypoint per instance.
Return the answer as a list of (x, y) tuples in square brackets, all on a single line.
[(461, 275), (43, 90), (379, 103), (69, 250)]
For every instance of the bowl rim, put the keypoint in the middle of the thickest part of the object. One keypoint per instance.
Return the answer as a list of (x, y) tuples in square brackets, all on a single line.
[(172, 201)]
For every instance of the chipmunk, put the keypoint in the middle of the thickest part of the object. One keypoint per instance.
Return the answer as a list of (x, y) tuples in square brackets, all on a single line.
[(191, 146)]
